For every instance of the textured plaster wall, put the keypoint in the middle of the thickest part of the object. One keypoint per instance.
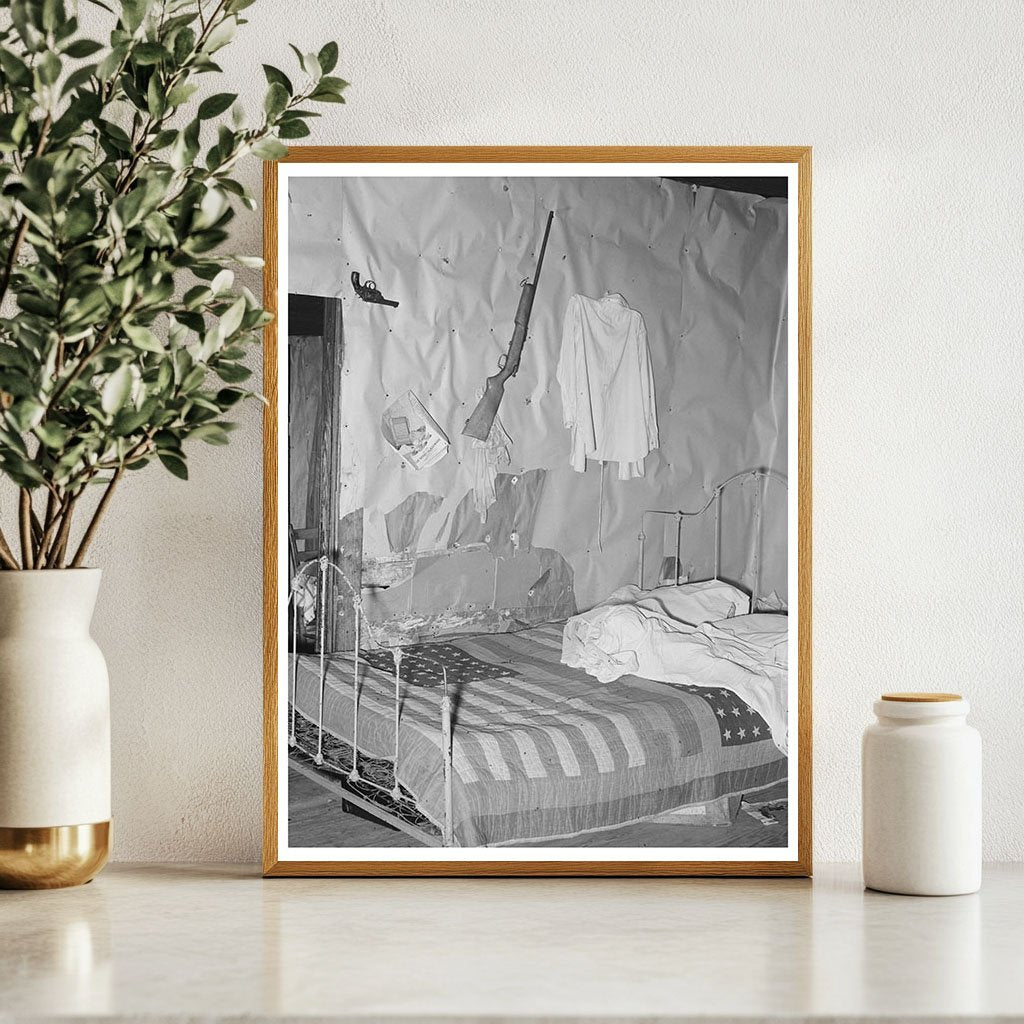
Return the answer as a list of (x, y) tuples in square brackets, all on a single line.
[(913, 110)]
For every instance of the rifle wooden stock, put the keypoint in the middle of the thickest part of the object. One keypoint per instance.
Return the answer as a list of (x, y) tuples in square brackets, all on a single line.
[(480, 422)]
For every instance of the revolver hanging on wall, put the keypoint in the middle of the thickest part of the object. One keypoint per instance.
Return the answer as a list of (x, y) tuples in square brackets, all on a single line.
[(369, 292), (479, 424)]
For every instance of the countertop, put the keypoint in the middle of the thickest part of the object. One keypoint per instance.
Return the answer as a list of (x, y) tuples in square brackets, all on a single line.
[(177, 942)]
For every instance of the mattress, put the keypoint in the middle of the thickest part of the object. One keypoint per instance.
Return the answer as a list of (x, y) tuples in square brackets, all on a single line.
[(540, 750)]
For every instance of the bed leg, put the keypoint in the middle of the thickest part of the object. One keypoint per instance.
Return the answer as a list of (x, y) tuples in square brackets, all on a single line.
[(396, 654), (640, 559), (319, 758), (679, 538), (446, 761), (353, 776), (295, 669)]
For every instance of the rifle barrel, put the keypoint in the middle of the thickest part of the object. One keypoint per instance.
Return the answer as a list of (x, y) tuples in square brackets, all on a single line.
[(543, 247)]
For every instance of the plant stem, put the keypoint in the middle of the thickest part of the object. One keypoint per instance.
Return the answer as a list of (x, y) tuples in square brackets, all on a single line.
[(6, 554), (22, 228), (60, 542), (12, 255), (87, 357), (37, 530), (25, 523), (54, 511), (94, 523)]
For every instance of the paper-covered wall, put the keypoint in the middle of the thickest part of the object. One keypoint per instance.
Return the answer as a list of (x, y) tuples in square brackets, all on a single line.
[(705, 268)]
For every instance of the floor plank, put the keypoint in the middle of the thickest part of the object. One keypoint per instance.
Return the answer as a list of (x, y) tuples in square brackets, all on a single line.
[(316, 818)]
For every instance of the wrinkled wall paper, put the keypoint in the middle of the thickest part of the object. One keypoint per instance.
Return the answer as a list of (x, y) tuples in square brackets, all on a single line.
[(706, 269)]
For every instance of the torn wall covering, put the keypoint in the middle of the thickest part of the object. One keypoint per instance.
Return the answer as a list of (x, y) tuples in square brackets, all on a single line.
[(707, 271)]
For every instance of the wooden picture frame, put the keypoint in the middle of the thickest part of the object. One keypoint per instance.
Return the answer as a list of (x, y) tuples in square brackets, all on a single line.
[(714, 162)]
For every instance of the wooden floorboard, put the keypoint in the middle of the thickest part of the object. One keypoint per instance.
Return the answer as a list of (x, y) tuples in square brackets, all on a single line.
[(316, 818)]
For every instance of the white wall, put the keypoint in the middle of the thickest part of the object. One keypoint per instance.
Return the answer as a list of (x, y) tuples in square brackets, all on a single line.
[(913, 110)]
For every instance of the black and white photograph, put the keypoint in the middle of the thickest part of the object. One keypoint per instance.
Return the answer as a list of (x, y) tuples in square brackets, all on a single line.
[(537, 588)]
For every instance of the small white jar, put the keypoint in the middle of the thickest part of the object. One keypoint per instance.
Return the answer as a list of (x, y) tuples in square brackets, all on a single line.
[(921, 776)]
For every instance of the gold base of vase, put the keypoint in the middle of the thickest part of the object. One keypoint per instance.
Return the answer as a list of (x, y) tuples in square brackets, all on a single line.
[(54, 857)]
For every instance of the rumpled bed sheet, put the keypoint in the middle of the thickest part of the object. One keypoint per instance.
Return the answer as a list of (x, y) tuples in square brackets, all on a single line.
[(692, 634)]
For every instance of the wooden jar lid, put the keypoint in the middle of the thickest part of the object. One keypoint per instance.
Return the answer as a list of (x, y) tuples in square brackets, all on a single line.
[(921, 698)]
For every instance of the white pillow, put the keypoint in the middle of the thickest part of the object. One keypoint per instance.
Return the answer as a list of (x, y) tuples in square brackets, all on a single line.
[(696, 603)]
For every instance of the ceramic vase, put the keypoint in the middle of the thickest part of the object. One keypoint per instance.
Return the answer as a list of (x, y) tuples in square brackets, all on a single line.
[(922, 796), (54, 731)]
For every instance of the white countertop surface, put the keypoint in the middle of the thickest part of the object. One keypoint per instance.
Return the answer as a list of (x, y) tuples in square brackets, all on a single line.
[(174, 942)]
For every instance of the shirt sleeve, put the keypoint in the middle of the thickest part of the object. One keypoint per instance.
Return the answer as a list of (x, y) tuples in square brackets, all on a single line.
[(566, 371), (647, 396)]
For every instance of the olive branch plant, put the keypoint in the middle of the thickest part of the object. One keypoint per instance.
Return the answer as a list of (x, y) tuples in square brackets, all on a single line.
[(123, 333)]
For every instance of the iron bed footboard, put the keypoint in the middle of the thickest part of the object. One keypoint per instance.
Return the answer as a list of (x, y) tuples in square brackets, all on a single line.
[(348, 782)]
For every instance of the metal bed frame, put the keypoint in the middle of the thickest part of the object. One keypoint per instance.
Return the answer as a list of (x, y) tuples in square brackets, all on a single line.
[(351, 781), (762, 475), (354, 787)]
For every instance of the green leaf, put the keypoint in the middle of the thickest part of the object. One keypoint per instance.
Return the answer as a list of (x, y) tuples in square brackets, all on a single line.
[(129, 421), (25, 17), (275, 76), (232, 319), (255, 262), (222, 34), (181, 94), (227, 397), (211, 433), (276, 99), (107, 67), (116, 390), (21, 471), (156, 101), (184, 44), (222, 281), (82, 48), (26, 414), (53, 14), (174, 464), (325, 96), (145, 54), (328, 57), (334, 84), (133, 12), (16, 70), (214, 105), (269, 149), (78, 78), (48, 68), (293, 130), (144, 338), (193, 379), (53, 435), (232, 373), (196, 296)]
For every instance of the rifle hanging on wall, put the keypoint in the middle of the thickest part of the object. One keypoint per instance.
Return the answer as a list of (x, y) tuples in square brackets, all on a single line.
[(479, 424)]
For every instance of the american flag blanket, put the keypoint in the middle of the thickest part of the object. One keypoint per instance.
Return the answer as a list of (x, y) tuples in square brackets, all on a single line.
[(542, 751)]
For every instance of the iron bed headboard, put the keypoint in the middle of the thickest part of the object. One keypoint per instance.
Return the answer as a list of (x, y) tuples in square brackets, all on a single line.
[(762, 474)]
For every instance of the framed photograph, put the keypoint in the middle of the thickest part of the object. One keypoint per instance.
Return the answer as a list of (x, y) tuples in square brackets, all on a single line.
[(537, 512)]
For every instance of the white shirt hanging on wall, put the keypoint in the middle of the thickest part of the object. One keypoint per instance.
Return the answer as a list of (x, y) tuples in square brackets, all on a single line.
[(607, 383)]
